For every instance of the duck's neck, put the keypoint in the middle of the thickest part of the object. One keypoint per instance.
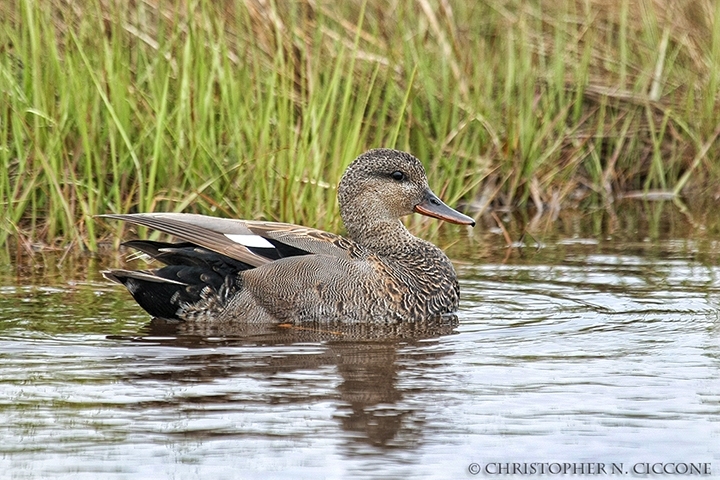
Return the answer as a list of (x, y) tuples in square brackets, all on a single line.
[(384, 237)]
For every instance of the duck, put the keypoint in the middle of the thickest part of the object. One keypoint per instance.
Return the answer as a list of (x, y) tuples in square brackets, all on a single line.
[(230, 271)]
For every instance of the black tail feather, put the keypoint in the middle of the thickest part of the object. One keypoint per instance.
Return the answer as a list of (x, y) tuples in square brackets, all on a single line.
[(187, 254), (190, 270)]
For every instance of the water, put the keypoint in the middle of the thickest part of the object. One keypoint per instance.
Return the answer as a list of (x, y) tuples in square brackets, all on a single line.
[(588, 350)]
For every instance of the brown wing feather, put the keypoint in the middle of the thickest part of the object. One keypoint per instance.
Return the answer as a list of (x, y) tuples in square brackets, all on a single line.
[(209, 232), (184, 228), (309, 239)]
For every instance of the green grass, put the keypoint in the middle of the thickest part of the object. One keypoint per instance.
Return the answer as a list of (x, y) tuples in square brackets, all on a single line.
[(253, 110)]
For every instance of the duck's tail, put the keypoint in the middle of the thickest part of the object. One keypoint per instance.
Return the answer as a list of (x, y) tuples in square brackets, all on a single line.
[(191, 274)]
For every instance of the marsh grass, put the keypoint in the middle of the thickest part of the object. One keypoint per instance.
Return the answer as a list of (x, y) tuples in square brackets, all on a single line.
[(253, 109)]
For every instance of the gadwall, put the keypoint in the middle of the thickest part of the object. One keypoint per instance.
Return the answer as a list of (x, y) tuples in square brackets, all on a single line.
[(227, 271)]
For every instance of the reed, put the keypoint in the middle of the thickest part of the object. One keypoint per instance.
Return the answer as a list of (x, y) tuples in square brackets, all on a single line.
[(253, 109)]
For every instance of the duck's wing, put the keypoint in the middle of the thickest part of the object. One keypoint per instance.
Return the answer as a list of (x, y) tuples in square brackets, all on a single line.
[(310, 240), (254, 243)]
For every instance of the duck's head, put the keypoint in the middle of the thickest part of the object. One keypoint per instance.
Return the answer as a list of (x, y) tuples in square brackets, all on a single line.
[(384, 185)]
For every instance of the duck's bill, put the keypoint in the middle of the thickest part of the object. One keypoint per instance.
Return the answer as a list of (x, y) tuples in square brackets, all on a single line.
[(432, 206)]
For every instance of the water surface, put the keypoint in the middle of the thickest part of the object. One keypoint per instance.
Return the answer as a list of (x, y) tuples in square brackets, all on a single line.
[(590, 349)]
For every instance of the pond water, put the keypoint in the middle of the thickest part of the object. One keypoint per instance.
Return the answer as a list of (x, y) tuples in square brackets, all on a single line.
[(596, 348)]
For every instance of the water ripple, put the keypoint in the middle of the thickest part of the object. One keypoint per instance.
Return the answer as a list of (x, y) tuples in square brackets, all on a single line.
[(603, 358)]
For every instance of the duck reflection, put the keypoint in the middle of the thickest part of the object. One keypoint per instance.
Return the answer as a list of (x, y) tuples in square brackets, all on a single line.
[(368, 358), (369, 372)]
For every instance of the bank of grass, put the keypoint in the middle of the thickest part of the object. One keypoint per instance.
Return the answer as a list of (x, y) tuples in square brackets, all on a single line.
[(252, 108)]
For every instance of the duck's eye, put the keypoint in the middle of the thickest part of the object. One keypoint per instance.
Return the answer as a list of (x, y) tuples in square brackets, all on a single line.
[(398, 175)]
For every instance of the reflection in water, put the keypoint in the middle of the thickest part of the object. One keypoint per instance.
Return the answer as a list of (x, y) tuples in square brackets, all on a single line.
[(365, 357), (271, 334), (369, 378)]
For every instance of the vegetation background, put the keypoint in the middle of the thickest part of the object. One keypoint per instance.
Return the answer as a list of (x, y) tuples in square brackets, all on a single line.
[(253, 108)]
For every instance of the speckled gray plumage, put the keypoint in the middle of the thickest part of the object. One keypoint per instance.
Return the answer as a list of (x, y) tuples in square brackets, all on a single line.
[(381, 273)]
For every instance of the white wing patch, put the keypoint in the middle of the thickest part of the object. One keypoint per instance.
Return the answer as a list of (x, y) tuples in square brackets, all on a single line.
[(250, 240)]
